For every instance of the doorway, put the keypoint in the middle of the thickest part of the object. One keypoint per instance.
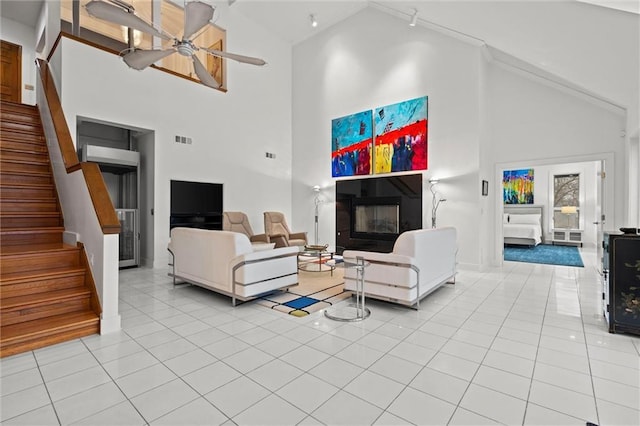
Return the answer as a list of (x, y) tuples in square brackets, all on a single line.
[(125, 155), (596, 196), (11, 72)]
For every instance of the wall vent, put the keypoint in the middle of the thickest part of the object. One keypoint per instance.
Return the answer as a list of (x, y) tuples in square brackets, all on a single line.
[(183, 139)]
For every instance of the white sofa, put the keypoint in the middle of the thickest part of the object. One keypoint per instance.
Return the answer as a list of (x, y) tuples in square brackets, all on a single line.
[(225, 262), (421, 261)]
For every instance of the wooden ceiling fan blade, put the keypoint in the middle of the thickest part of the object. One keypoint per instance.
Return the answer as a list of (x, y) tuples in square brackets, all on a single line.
[(196, 16), (117, 15), (235, 57), (203, 74), (140, 59)]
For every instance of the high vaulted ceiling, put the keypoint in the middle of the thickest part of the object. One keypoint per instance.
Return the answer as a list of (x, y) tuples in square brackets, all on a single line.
[(594, 48)]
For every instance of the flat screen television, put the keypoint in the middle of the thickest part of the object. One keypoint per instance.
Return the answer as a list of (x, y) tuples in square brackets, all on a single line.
[(195, 198)]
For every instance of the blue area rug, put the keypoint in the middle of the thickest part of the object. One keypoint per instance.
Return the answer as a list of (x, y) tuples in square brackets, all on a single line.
[(543, 253)]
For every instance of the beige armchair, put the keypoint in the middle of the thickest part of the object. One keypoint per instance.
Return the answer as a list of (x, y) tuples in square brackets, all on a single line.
[(276, 228), (239, 222)]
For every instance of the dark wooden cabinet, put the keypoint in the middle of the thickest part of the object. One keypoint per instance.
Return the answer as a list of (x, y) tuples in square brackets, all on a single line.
[(621, 287)]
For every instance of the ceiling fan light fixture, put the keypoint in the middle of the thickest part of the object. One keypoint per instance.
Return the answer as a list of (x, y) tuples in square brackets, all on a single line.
[(314, 21), (185, 48), (414, 18), (197, 15)]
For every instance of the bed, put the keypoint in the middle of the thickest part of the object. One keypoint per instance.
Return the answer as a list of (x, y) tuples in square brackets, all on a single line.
[(522, 225)]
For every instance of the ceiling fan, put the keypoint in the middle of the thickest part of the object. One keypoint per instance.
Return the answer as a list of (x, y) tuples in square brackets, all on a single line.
[(196, 15)]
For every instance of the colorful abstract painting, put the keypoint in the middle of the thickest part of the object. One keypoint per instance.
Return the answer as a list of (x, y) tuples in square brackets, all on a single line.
[(517, 186), (401, 136), (351, 139)]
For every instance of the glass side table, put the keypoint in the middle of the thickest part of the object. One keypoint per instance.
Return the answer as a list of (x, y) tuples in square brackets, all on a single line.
[(353, 311), (311, 260)]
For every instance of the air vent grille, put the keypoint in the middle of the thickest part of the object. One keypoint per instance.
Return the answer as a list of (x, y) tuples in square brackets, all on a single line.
[(183, 139)]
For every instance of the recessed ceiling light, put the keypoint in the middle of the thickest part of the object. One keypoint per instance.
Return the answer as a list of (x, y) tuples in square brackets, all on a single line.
[(314, 22)]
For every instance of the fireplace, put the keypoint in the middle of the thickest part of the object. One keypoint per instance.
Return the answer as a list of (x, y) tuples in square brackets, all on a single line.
[(372, 213), (375, 218)]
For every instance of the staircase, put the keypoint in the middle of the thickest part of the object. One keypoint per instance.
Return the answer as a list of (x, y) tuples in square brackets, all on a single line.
[(46, 292)]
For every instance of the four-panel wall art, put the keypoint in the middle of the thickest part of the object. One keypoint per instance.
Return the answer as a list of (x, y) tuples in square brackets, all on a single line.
[(391, 138)]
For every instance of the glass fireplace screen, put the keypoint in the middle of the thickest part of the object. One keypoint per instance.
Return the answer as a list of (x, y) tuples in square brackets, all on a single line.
[(377, 219)]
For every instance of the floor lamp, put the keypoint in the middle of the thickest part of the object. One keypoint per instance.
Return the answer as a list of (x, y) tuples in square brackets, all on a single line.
[(316, 201), (435, 201)]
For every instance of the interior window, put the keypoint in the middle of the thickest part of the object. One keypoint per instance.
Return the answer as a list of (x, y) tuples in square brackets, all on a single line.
[(566, 201)]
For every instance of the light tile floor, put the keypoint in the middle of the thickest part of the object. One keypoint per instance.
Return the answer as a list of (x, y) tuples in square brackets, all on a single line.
[(523, 344)]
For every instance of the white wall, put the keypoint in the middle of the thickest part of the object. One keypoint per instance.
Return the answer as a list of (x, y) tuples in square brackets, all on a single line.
[(372, 59), (230, 131), (23, 35), (532, 121), (480, 116)]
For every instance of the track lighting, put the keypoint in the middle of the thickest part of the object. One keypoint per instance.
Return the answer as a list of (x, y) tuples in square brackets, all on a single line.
[(314, 23), (414, 18)]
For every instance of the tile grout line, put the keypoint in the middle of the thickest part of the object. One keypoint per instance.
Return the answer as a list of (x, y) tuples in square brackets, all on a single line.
[(436, 353), (586, 344), (503, 280), (535, 361)]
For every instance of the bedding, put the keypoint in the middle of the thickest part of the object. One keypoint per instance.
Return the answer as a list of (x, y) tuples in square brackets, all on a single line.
[(513, 232), (522, 225)]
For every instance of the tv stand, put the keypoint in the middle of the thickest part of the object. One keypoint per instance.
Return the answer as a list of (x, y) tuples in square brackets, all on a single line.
[(204, 221)]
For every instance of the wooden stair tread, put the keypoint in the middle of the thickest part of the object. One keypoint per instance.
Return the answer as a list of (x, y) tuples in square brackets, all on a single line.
[(29, 192), (22, 150), (46, 326), (20, 119), (28, 200), (21, 131), (6, 104), (46, 291), (38, 299), (29, 214), (11, 110), (50, 229), (65, 271), (41, 160), (31, 173), (32, 144), (25, 185), (22, 135), (26, 120), (36, 248)]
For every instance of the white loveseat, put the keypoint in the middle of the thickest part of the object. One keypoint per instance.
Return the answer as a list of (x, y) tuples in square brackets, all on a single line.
[(224, 261), (421, 261)]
